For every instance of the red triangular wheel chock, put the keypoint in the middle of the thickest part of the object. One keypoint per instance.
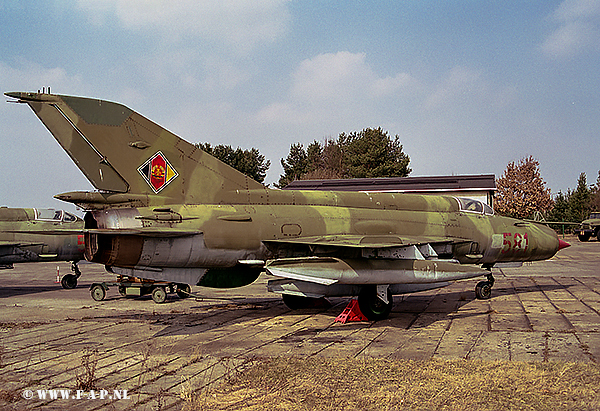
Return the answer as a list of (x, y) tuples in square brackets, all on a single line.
[(351, 313)]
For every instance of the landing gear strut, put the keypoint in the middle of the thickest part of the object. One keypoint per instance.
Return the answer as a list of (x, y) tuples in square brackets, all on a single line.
[(69, 281), (483, 289), (372, 306)]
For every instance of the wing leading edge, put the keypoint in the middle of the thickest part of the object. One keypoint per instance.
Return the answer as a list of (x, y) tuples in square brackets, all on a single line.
[(366, 241)]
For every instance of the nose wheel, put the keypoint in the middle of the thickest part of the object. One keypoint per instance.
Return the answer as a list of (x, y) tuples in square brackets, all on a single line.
[(483, 289)]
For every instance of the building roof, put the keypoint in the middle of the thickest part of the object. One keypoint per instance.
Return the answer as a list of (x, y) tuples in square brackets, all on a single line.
[(482, 182)]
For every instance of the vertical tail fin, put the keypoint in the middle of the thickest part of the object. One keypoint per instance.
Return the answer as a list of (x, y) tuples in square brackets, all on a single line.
[(121, 151)]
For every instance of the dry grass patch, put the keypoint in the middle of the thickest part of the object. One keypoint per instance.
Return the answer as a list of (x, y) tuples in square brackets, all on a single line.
[(377, 384)]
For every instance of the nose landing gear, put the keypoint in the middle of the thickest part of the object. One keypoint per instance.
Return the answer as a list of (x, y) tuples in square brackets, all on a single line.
[(483, 289), (69, 281)]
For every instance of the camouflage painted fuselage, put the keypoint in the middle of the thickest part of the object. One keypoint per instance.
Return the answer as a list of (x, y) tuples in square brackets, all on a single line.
[(281, 224), (167, 210), (22, 240), (365, 218)]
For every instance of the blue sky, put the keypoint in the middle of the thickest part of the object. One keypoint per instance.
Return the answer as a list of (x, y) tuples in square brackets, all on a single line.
[(467, 85)]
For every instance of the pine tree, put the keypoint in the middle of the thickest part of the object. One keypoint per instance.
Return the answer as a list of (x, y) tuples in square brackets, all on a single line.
[(365, 154), (562, 209), (373, 153), (249, 162), (580, 201), (595, 195)]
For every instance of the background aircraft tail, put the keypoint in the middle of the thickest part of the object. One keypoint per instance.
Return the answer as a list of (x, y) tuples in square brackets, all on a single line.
[(121, 151)]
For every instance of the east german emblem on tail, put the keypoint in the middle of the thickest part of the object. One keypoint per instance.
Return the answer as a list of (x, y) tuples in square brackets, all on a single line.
[(158, 172)]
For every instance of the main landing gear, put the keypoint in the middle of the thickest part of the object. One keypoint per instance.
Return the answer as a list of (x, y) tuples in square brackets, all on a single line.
[(483, 289), (375, 302), (69, 281)]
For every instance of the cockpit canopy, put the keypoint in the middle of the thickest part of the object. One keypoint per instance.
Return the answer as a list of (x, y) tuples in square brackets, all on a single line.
[(470, 205), (50, 214)]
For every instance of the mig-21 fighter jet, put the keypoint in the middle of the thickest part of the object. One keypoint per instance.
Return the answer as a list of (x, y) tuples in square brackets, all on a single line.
[(41, 234), (166, 210)]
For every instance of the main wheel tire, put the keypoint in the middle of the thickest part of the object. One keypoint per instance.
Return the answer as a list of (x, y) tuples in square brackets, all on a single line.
[(296, 302), (598, 235), (183, 290), (159, 294), (98, 292), (371, 305), (69, 282), (483, 290), (583, 237)]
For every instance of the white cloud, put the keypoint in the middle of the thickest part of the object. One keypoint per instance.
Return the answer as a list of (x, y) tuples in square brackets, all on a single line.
[(335, 84), (466, 88), (222, 74), (578, 9), (461, 83), (578, 29), (343, 75), (330, 76), (389, 85), (283, 113), (342, 88), (241, 24), (35, 166), (31, 77)]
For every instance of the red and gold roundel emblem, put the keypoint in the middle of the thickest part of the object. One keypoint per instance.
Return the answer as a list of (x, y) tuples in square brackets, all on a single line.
[(158, 172)]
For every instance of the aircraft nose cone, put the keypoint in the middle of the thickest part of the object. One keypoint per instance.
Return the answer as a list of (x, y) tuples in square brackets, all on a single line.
[(544, 243), (562, 244)]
